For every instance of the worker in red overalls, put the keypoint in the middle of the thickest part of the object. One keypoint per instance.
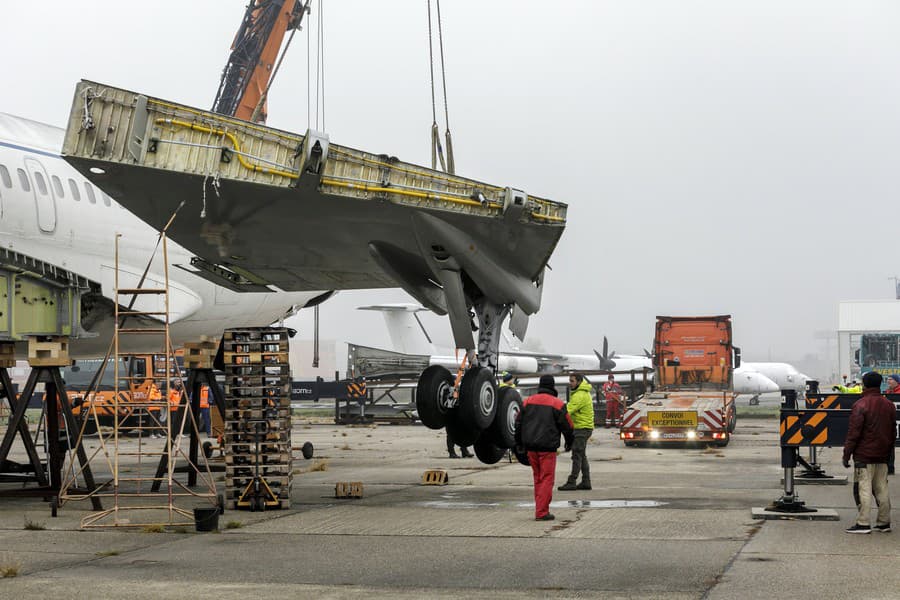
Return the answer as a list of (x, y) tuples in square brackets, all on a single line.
[(612, 392)]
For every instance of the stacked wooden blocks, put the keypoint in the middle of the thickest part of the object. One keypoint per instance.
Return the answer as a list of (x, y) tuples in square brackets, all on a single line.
[(257, 415)]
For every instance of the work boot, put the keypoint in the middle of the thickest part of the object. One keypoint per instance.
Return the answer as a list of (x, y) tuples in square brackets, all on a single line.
[(584, 485), (567, 486), (466, 453), (453, 454)]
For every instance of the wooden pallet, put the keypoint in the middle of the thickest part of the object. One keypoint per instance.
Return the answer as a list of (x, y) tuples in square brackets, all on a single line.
[(269, 458), (249, 334), (257, 403), (264, 470), (243, 414), (254, 370), (264, 346), (263, 358)]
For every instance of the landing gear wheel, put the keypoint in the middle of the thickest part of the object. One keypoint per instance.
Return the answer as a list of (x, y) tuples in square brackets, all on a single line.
[(433, 396), (522, 457), (478, 398), (487, 451), (461, 433), (307, 450), (503, 429), (207, 449)]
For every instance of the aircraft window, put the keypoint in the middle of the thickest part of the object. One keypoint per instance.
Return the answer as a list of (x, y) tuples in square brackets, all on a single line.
[(57, 186), (23, 179), (90, 193), (74, 187), (4, 175), (41, 184), (106, 199)]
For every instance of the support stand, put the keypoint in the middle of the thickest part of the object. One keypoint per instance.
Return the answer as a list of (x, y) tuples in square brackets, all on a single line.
[(49, 476)]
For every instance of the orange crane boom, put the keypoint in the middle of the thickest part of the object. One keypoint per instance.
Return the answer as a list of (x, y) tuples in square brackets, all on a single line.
[(254, 52)]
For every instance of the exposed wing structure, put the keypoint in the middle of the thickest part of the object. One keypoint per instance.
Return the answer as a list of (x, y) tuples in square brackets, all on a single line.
[(263, 207)]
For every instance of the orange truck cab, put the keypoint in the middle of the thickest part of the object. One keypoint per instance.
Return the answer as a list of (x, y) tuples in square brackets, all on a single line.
[(693, 359), (142, 379)]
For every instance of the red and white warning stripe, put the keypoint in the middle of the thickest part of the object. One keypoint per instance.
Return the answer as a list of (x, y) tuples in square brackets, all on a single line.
[(713, 419), (631, 418)]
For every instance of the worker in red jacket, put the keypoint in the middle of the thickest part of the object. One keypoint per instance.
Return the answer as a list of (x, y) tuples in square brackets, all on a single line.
[(612, 392), (870, 438), (538, 426)]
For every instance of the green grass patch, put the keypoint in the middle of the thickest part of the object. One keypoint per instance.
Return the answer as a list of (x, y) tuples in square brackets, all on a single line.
[(758, 412), (233, 525)]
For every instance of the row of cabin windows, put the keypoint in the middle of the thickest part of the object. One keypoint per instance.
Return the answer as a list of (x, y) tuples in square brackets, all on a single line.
[(58, 188)]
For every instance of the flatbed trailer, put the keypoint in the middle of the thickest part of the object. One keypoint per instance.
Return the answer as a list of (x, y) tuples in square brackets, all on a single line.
[(667, 417)]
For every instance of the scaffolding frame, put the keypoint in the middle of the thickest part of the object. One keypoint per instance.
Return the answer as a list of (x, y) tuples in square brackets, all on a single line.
[(135, 490)]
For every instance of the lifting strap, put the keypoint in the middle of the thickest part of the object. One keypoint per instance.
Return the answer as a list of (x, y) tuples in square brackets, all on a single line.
[(437, 151)]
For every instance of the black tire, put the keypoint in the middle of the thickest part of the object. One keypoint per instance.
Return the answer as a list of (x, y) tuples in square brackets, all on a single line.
[(503, 429), (220, 502), (207, 449), (522, 457), (462, 434), (631, 444), (732, 422), (432, 396), (487, 451), (478, 398), (307, 450), (54, 506)]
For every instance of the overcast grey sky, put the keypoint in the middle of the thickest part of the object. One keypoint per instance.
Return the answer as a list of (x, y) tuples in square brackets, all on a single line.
[(717, 156)]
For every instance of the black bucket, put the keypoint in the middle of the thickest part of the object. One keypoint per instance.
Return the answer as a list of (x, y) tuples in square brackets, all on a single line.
[(206, 518)]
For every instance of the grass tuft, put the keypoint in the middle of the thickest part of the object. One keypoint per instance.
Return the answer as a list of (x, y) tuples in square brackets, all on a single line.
[(9, 569), (319, 465), (233, 525), (33, 525), (154, 529)]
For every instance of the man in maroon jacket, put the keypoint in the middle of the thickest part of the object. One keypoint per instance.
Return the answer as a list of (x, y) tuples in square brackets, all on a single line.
[(542, 419), (870, 437)]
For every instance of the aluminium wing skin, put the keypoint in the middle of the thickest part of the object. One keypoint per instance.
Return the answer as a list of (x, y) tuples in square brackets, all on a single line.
[(264, 207)]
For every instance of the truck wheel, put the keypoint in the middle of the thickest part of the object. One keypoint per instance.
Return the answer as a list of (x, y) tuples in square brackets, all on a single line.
[(433, 396), (478, 398), (207, 449), (732, 422), (487, 451), (503, 428)]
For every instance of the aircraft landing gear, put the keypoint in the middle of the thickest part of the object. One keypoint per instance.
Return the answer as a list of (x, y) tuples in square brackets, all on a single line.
[(470, 414)]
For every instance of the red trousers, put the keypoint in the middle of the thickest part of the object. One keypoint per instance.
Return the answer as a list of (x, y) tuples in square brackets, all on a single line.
[(543, 467), (612, 411)]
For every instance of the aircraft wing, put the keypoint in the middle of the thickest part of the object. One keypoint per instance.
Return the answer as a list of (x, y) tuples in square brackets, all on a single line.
[(267, 207)]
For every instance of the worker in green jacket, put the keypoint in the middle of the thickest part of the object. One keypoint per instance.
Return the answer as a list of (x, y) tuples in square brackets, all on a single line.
[(581, 410), (853, 388)]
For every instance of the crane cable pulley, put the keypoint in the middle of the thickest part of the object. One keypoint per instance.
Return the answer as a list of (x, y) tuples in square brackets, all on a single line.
[(437, 152)]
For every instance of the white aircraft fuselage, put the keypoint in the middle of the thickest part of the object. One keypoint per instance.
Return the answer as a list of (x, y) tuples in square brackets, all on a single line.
[(49, 212)]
